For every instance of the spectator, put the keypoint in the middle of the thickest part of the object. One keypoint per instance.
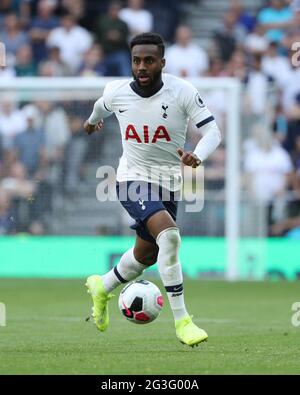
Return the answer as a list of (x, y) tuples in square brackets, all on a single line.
[(294, 29), (237, 65), (23, 193), (296, 177), (30, 144), (25, 10), (7, 224), (72, 40), (5, 8), (25, 65), (166, 16), (268, 168), (293, 117), (42, 24), (16, 182), (183, 49), (216, 68), (12, 122), (257, 84), (112, 33), (93, 62), (1, 153), (54, 66), (290, 101), (215, 99), (85, 11), (12, 36), (256, 42), (275, 19), (228, 37), (295, 5), (280, 124), (76, 8), (46, 69), (243, 18), (275, 65), (55, 123), (290, 226), (76, 150), (137, 18)]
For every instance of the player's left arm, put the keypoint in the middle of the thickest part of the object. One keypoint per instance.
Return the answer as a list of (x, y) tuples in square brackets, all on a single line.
[(205, 122), (207, 144), (210, 140)]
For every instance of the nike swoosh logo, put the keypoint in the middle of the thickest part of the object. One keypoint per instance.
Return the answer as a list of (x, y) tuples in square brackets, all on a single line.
[(176, 289), (122, 111)]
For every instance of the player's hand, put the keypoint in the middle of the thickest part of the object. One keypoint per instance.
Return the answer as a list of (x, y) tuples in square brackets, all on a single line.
[(93, 128), (189, 158)]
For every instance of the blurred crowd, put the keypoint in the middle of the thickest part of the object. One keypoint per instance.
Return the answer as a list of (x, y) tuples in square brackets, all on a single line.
[(75, 37), (56, 38)]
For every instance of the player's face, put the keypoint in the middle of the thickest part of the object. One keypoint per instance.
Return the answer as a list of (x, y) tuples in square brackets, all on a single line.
[(147, 64)]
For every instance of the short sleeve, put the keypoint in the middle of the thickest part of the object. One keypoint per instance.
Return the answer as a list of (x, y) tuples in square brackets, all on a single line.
[(194, 106), (108, 95)]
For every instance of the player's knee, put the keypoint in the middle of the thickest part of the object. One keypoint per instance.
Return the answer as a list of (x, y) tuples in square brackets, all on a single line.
[(169, 243), (169, 236)]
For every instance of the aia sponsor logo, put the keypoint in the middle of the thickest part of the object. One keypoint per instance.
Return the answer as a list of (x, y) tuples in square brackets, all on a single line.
[(161, 133)]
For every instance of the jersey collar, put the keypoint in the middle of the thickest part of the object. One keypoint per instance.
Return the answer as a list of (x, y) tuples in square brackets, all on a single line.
[(135, 87)]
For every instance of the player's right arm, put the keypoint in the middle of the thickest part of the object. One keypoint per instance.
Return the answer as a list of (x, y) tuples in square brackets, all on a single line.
[(95, 121), (103, 108)]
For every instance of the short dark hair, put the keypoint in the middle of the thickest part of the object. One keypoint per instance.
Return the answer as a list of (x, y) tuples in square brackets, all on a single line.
[(149, 38)]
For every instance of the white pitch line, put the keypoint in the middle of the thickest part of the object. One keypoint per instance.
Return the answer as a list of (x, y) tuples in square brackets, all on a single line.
[(47, 318), (82, 319)]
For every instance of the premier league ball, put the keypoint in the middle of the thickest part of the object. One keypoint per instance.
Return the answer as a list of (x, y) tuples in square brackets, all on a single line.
[(140, 302)]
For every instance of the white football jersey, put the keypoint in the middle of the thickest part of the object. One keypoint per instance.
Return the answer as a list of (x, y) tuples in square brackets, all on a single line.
[(154, 127)]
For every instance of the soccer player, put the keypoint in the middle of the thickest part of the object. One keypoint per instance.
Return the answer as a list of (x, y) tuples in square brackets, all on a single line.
[(153, 110)]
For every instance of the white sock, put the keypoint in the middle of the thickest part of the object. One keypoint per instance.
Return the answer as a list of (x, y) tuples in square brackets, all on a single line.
[(170, 270), (126, 270)]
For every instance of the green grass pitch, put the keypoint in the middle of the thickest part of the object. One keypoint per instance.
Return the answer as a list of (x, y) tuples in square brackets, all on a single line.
[(249, 327)]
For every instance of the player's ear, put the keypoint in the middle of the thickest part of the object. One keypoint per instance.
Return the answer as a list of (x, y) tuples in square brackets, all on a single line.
[(163, 62)]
